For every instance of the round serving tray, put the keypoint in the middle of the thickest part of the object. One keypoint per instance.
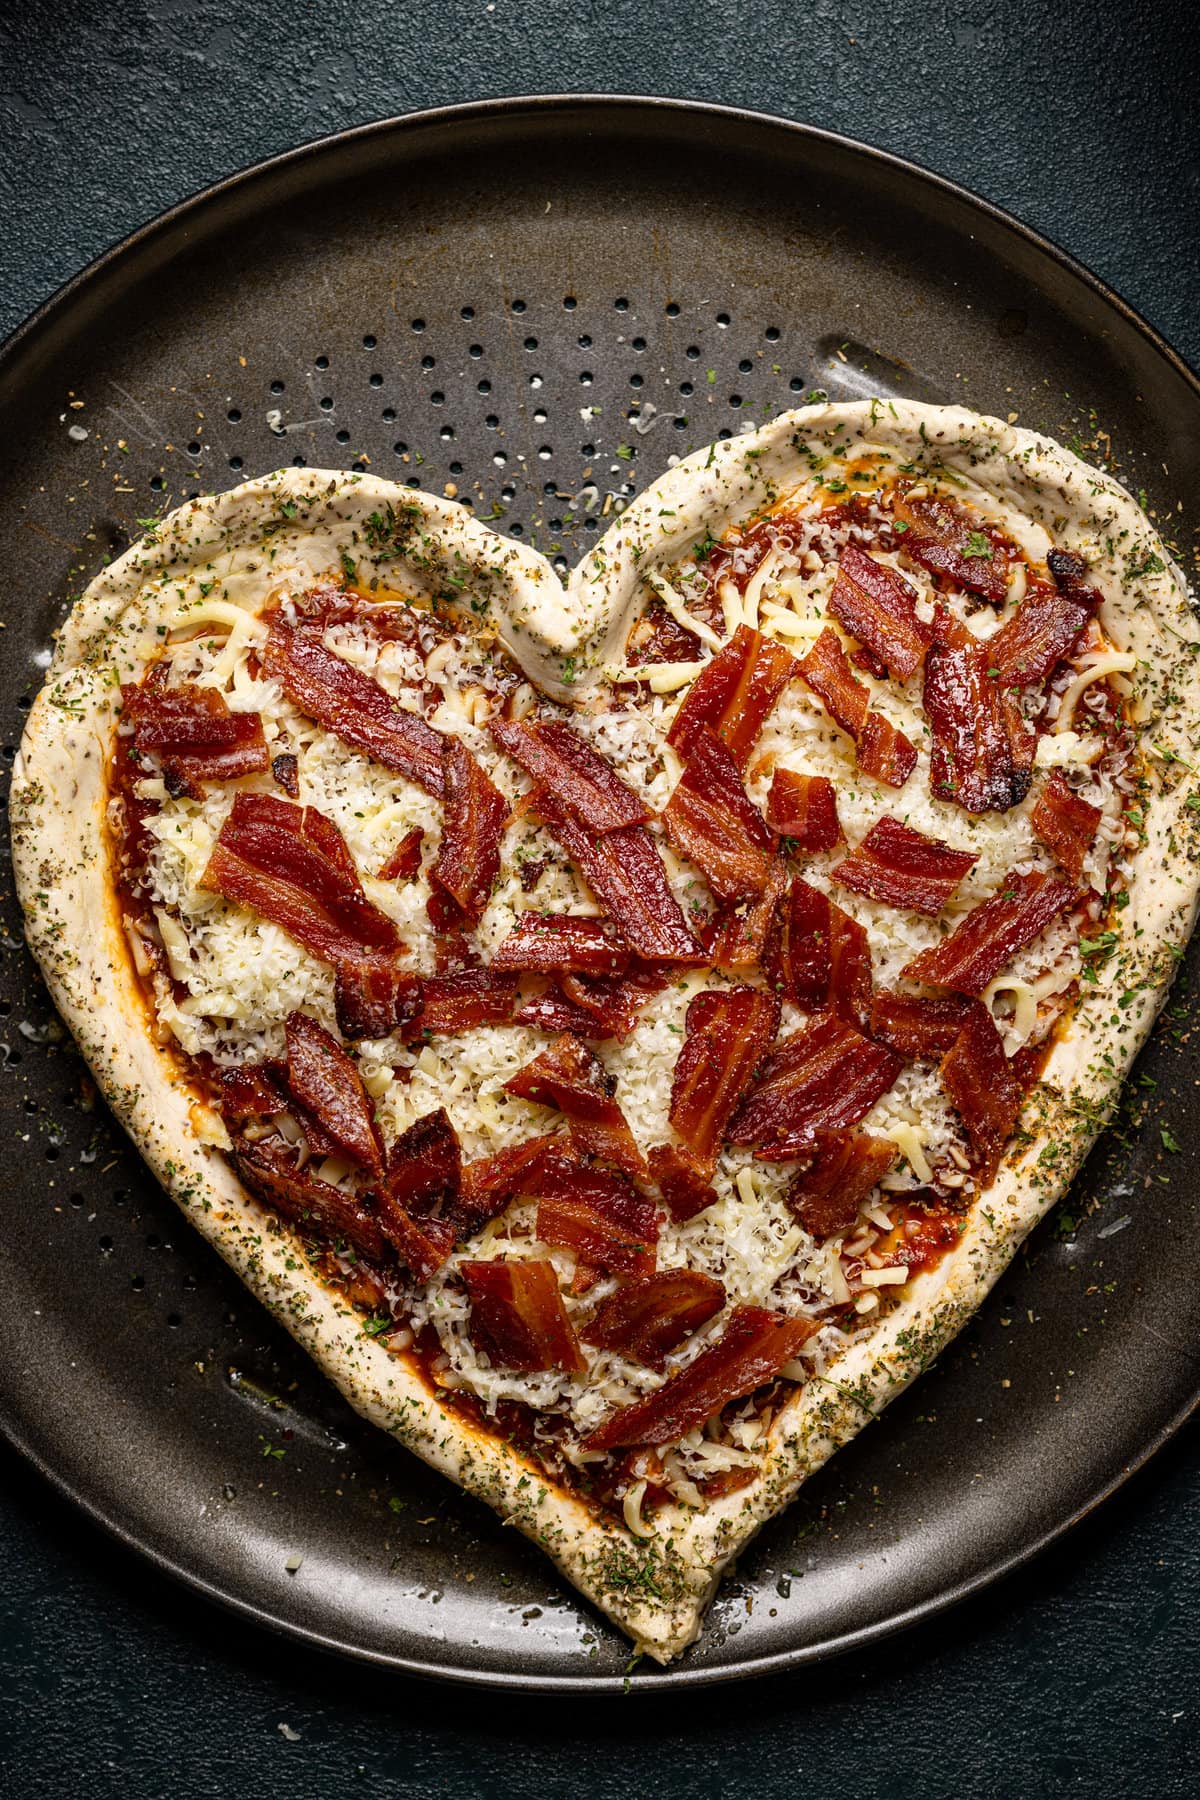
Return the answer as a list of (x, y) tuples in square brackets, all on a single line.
[(540, 302)]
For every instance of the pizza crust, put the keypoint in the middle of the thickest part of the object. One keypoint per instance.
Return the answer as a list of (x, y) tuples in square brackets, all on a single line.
[(299, 527)]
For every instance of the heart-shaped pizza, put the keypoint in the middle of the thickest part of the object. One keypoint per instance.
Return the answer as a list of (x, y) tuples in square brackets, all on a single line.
[(622, 1027)]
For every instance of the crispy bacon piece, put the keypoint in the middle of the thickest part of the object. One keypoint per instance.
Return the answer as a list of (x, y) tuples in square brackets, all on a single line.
[(404, 864), (982, 1087), (1065, 823), (249, 1092), (992, 933), (903, 867), (982, 753), (571, 773), (331, 1212), (473, 818), (349, 703), (684, 1187), (419, 1194), (1047, 625), (519, 1318), (568, 1076), (734, 693), (825, 1077), (463, 1001), (193, 733), (883, 751), (595, 1213), (491, 1183), (549, 943), (803, 809), (818, 956), (826, 1196), (754, 1347), (611, 1004), (948, 541), (736, 937), (727, 1034), (626, 871), (711, 820), (286, 770), (878, 607), (553, 1012), (918, 1029), (649, 1317), (326, 1081), (291, 864), (374, 996)]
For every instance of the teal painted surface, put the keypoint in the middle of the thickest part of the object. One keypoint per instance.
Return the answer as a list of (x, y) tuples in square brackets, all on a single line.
[(1079, 1676)]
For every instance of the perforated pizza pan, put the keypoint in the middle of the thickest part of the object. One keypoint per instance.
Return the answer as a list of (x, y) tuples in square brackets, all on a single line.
[(537, 304)]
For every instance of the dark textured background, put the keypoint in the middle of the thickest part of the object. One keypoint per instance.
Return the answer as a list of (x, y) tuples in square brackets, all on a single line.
[(1078, 1676)]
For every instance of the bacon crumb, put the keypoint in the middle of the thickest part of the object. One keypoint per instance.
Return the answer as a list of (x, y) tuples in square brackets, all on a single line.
[(846, 1167), (1065, 823), (568, 1076)]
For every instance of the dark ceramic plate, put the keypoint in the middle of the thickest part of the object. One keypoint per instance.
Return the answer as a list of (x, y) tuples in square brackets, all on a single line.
[(489, 295)]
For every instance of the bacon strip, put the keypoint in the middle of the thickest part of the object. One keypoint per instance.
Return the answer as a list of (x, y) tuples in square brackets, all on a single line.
[(803, 809), (948, 541), (883, 751), (325, 1080), (982, 753), (992, 933), (331, 1212), (349, 703), (594, 1006), (404, 864), (727, 1034), (549, 943), (684, 1187), (825, 1077), (846, 1167), (491, 1183), (291, 864), (595, 1213), (473, 818), (1047, 625), (737, 935), (755, 1346), (918, 1029), (571, 772), (710, 820), (626, 871), (193, 733), (648, 1318), (249, 1092), (424, 1172), (987, 1095), (1065, 823), (374, 997), (462, 1002), (818, 956), (903, 867), (568, 1076), (734, 693), (518, 1313), (878, 607)]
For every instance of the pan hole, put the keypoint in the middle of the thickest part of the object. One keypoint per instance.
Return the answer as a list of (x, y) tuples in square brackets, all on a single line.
[(772, 334), (499, 459), (673, 309), (401, 448), (467, 312), (545, 452), (680, 422), (446, 433), (686, 388), (456, 468), (621, 305), (234, 416), (516, 528), (376, 381), (636, 381), (639, 344), (137, 1283), (483, 387), (77, 1200), (531, 343), (585, 342), (518, 306), (106, 1245), (796, 385), (388, 415), (535, 381), (369, 342), (157, 483), (174, 1321), (359, 466), (427, 362), (508, 494), (322, 362), (540, 416), (193, 448), (299, 462), (418, 324), (492, 422), (723, 320), (343, 437), (692, 352), (277, 387), (437, 398), (587, 449), (235, 462), (414, 481), (476, 351), (326, 405), (570, 303), (586, 378), (735, 400), (745, 366)]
